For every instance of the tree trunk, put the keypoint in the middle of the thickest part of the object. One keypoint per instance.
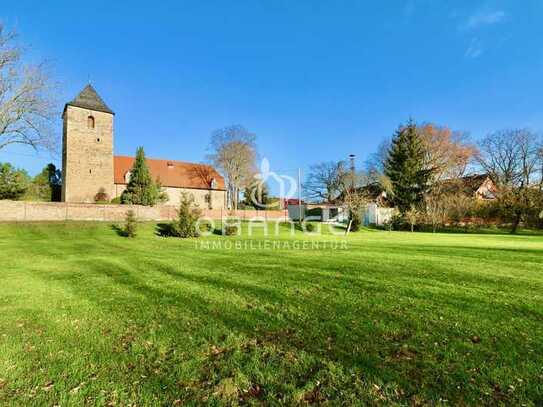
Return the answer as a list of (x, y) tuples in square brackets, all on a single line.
[(412, 228), (232, 197), (516, 222)]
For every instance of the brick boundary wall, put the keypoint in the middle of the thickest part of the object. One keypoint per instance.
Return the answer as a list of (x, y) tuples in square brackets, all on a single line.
[(24, 211)]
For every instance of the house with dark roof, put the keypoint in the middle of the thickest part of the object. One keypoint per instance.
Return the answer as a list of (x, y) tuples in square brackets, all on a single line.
[(90, 168), (478, 186)]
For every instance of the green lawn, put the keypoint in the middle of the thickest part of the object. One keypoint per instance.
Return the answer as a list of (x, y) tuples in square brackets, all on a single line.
[(88, 317)]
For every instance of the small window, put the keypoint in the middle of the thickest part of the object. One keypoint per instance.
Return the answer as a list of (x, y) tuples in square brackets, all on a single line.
[(90, 122), (98, 140)]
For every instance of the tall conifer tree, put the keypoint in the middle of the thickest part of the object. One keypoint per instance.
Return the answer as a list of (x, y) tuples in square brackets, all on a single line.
[(141, 189), (406, 169)]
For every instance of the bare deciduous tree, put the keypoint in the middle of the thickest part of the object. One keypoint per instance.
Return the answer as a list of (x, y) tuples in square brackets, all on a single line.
[(233, 152), (356, 202), (435, 209), (324, 181), (540, 157), (511, 158), (459, 207), (375, 164), (26, 106), (448, 153), (354, 196), (412, 217)]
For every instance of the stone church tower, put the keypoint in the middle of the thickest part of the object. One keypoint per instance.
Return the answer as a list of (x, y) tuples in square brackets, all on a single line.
[(87, 148)]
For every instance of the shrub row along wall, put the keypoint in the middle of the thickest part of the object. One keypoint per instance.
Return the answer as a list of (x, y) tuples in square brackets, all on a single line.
[(22, 211)]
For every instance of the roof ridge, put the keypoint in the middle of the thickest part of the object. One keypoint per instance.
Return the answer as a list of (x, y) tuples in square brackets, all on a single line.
[(167, 160)]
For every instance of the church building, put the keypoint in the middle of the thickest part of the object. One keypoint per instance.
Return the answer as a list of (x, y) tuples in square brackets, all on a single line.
[(90, 170)]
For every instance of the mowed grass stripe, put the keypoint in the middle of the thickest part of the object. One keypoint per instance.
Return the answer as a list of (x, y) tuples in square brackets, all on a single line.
[(88, 317)]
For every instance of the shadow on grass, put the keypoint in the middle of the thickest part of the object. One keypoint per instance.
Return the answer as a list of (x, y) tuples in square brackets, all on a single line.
[(354, 311), (119, 230), (165, 230), (302, 314)]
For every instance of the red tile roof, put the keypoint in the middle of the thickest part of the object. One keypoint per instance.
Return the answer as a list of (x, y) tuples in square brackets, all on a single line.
[(171, 173)]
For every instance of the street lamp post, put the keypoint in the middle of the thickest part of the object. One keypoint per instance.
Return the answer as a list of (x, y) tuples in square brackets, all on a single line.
[(351, 159)]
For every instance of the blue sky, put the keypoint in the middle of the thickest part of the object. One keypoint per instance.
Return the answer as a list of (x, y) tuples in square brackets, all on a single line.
[(315, 80)]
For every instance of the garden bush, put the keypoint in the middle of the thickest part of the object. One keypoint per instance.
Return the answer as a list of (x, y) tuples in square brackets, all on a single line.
[(187, 217), (205, 227), (101, 197), (131, 224), (398, 222), (230, 230)]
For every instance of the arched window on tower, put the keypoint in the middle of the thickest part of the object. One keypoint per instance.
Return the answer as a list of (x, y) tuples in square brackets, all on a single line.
[(90, 122)]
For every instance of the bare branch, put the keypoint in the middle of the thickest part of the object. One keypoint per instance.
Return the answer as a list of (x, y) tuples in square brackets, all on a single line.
[(234, 154), (324, 181), (448, 152), (27, 109), (510, 157)]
